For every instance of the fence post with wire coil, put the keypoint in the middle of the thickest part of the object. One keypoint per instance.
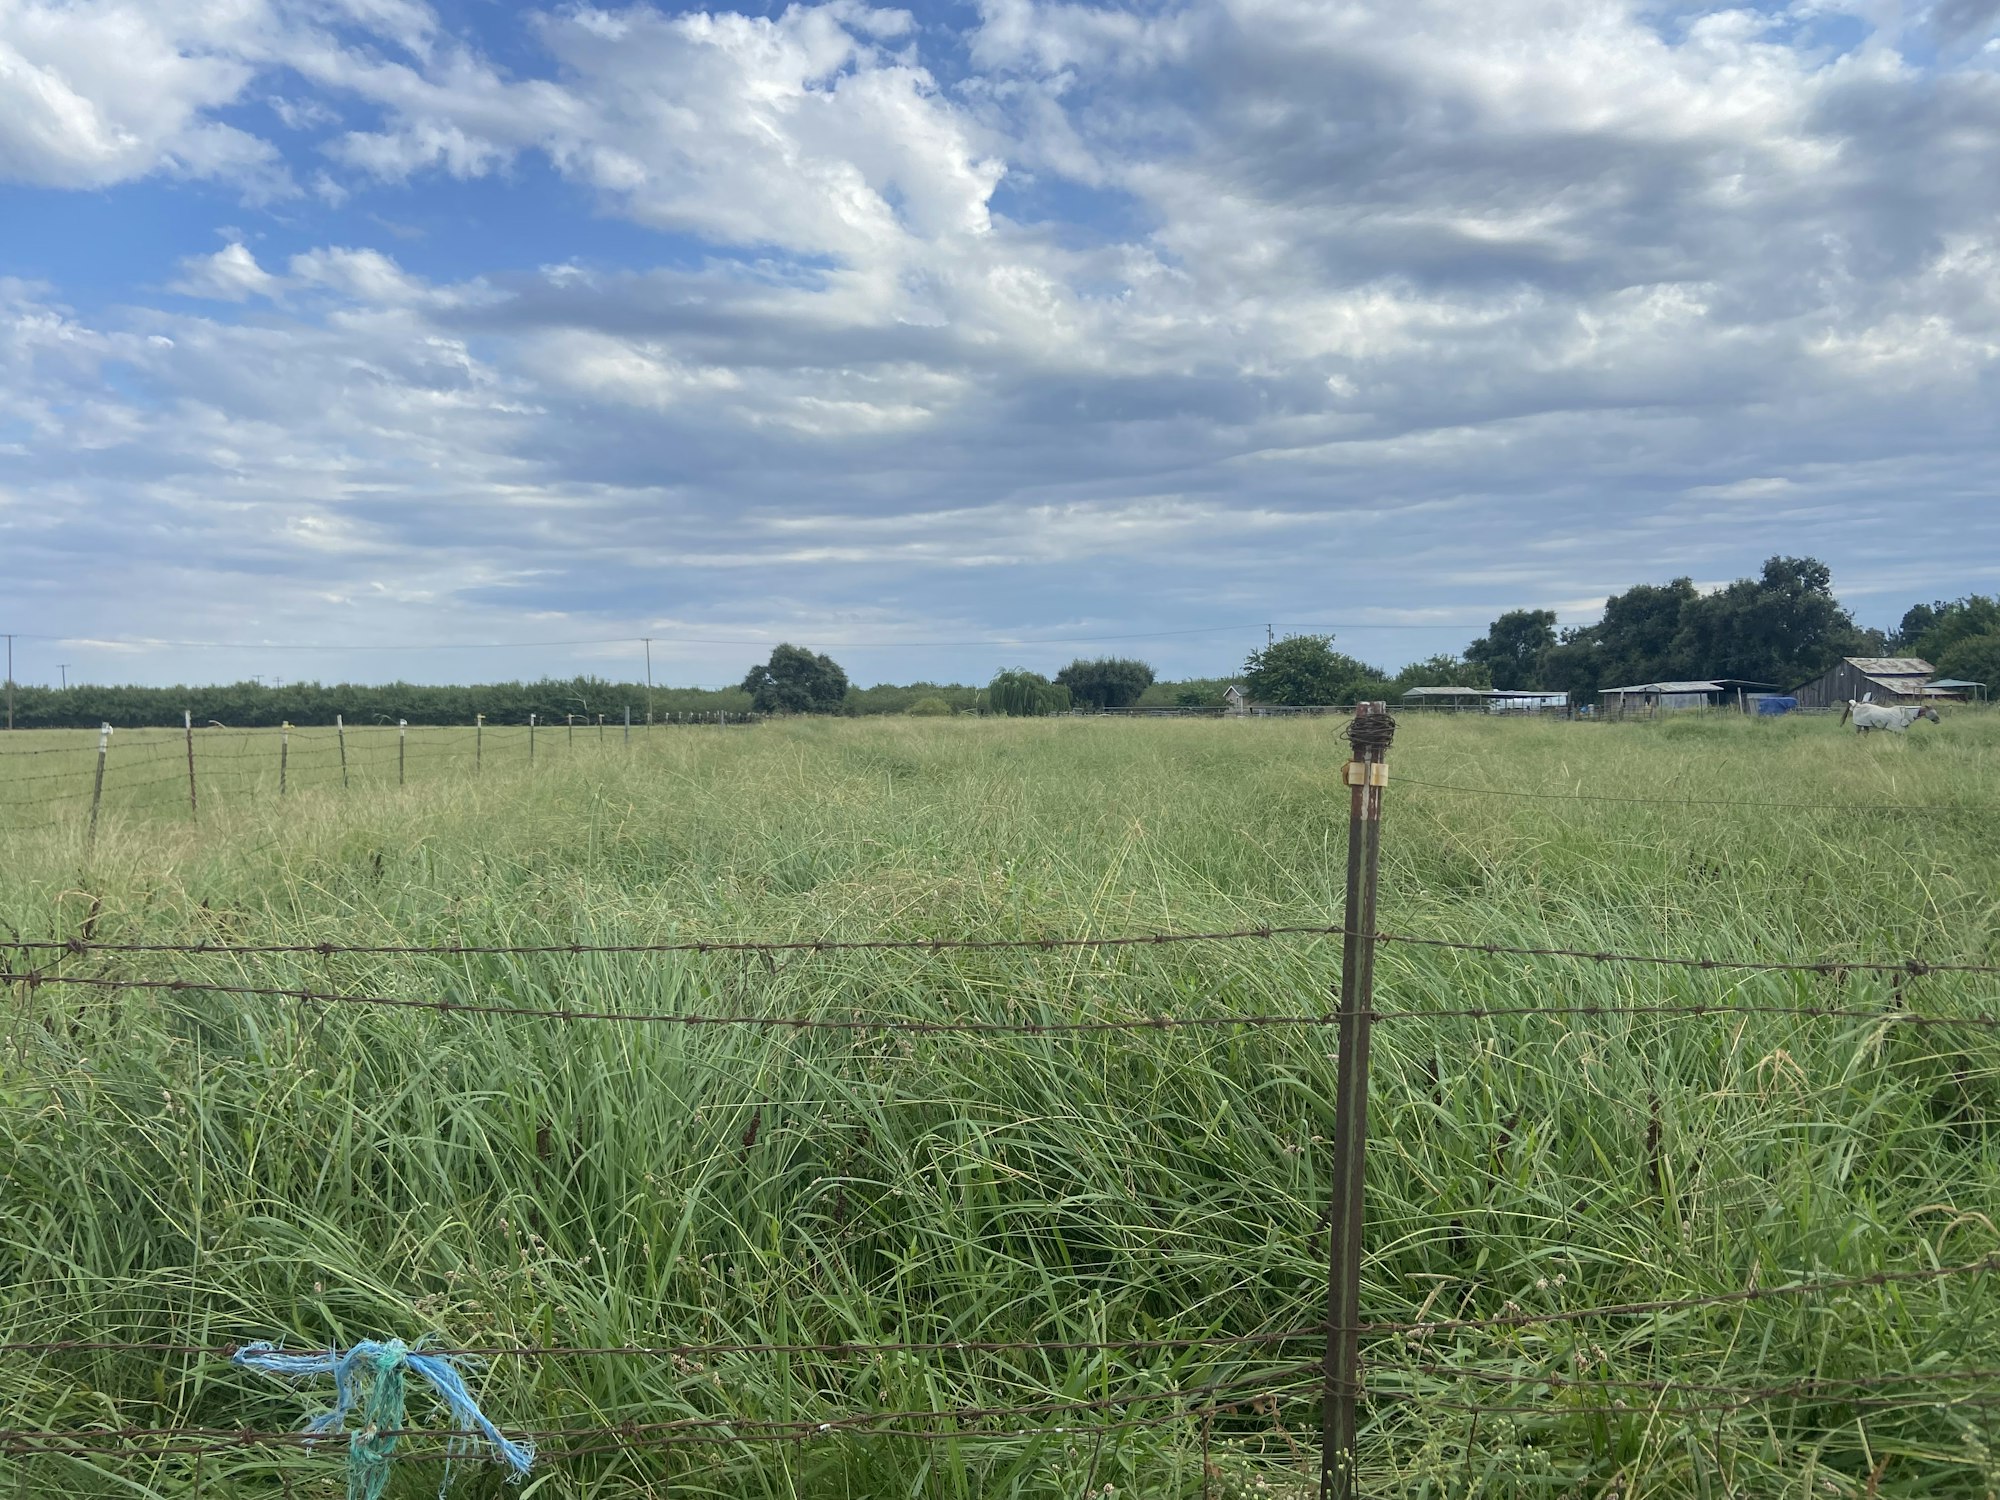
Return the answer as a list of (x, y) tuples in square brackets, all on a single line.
[(187, 723), (97, 787), (284, 752), (402, 745), (1366, 774), (340, 733)]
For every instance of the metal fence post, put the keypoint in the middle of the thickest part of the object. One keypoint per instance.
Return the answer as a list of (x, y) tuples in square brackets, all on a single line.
[(1366, 774), (284, 752), (97, 787), (402, 745), (340, 733), (187, 721)]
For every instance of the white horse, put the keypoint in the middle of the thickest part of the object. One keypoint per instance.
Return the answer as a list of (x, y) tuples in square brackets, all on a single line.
[(1868, 715)]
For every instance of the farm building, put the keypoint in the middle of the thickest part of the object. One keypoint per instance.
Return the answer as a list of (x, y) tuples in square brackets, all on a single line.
[(1957, 688), (1486, 700), (1666, 697), (1460, 698), (1887, 679)]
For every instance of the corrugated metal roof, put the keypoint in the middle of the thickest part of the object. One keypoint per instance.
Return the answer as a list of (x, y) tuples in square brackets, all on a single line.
[(1953, 682), (1449, 692), (1890, 666), (1666, 687)]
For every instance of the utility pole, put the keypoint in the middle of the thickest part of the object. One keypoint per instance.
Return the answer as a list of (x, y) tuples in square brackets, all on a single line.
[(10, 682), (63, 667)]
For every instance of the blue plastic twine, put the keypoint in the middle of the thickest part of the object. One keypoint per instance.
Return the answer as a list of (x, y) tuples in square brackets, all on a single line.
[(381, 1366)]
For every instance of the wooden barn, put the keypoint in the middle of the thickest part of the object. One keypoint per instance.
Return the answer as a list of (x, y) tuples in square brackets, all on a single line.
[(1889, 679)]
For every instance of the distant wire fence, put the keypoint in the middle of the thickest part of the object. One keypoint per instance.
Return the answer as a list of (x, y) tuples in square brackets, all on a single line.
[(1413, 1362), (173, 770)]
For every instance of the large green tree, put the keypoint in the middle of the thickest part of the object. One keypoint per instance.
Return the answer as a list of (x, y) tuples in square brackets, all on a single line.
[(796, 681), (1932, 630), (1106, 681), (1782, 627), (1305, 669), (1636, 636), (1512, 648), (1973, 658)]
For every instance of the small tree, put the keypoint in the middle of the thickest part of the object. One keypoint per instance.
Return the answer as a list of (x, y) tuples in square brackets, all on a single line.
[(1106, 682), (1024, 694), (795, 681), (1305, 669), (929, 708), (1442, 671)]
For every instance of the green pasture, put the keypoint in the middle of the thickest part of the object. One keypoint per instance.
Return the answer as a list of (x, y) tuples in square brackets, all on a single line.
[(199, 1168)]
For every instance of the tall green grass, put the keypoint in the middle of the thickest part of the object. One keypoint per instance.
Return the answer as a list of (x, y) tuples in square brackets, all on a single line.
[(201, 1168)]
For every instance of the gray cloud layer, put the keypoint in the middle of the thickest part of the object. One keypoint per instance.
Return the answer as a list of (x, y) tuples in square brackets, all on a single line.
[(1212, 313)]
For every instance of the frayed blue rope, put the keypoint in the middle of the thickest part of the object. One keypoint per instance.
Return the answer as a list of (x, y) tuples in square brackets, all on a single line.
[(370, 1447)]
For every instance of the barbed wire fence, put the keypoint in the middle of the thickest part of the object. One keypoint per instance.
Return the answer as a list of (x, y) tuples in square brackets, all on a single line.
[(179, 768), (1402, 1366)]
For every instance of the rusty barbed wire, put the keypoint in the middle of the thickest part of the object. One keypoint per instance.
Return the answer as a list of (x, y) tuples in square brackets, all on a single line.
[(1812, 1385), (1403, 779), (1914, 966), (847, 1348), (1319, 1330), (698, 945), (684, 1429), (1978, 1267), (1977, 1021), (33, 979)]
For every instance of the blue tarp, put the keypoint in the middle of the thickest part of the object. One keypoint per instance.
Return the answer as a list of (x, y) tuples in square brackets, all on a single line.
[(1772, 704)]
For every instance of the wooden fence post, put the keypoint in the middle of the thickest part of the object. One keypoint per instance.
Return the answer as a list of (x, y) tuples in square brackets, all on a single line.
[(478, 742), (284, 752), (531, 739), (628, 726), (1366, 774), (402, 746), (340, 733), (187, 721)]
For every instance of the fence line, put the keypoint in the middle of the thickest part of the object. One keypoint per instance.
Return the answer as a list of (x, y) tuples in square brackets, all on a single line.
[(702, 1429), (1822, 1286), (217, 753), (32, 979), (1837, 967), (1845, 807)]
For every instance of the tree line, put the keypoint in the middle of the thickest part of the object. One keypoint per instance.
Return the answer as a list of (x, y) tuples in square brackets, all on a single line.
[(1782, 627)]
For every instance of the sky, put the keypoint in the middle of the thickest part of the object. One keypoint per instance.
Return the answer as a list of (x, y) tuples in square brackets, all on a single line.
[(370, 339)]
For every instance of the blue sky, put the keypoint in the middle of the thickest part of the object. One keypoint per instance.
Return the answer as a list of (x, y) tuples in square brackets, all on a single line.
[(972, 335)]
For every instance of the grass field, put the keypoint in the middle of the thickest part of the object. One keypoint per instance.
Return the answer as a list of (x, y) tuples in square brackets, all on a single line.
[(203, 1168)]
